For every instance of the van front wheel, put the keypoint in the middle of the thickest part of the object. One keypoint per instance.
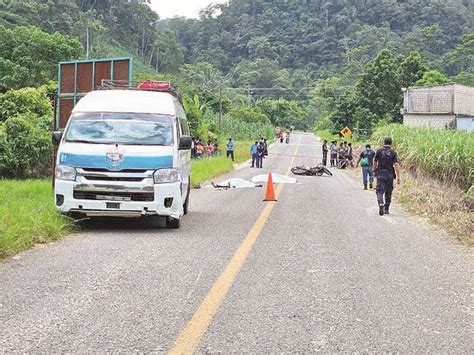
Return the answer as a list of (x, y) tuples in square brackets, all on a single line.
[(173, 223), (186, 203)]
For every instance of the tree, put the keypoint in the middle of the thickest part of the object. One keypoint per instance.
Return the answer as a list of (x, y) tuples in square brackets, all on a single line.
[(29, 56), (379, 87), (432, 77)]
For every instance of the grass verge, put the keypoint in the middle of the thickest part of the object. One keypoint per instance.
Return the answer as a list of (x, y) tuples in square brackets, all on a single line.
[(28, 215), (207, 168), (443, 204)]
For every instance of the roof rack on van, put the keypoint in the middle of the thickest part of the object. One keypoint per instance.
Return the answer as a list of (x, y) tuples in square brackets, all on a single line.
[(147, 85)]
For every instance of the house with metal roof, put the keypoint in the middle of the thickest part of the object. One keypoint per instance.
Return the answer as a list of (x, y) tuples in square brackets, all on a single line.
[(442, 106)]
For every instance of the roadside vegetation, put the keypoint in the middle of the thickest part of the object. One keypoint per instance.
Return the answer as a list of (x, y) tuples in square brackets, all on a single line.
[(438, 176), (206, 169), (28, 215), (447, 155)]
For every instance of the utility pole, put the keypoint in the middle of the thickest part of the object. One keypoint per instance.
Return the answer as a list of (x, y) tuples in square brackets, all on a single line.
[(220, 108), (87, 41)]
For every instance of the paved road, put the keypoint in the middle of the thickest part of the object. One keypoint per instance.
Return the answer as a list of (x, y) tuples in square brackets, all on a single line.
[(317, 271)]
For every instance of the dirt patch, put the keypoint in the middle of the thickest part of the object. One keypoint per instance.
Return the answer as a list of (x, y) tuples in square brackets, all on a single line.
[(441, 203)]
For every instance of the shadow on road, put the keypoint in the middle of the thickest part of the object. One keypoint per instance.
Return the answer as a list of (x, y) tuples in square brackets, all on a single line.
[(111, 223)]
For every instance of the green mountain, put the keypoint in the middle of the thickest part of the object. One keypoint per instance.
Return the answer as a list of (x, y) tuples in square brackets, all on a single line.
[(320, 37)]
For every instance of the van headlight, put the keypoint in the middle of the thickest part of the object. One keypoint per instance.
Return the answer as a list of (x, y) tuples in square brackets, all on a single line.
[(165, 176), (64, 172)]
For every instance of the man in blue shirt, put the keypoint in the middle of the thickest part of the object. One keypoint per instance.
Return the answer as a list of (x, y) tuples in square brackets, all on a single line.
[(230, 149), (253, 152), (366, 161)]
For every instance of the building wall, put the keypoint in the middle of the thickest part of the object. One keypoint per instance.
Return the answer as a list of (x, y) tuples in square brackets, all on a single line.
[(453, 99), (438, 99), (464, 100), (427, 120)]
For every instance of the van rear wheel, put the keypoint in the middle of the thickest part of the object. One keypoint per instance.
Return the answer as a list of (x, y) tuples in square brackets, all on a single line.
[(173, 223)]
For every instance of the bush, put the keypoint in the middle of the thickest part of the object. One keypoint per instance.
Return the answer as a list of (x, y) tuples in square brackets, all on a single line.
[(445, 154), (249, 115), (239, 129), (26, 118), (25, 147), (324, 124), (25, 101)]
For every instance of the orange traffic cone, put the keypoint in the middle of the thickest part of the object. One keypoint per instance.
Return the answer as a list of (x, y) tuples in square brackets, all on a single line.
[(270, 193)]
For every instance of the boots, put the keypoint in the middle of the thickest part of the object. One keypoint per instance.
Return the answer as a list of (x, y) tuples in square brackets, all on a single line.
[(381, 210), (386, 210)]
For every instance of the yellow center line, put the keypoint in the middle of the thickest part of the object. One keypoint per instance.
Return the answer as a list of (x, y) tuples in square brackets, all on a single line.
[(191, 335)]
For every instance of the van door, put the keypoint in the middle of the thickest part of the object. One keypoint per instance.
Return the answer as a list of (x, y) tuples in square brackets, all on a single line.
[(184, 164)]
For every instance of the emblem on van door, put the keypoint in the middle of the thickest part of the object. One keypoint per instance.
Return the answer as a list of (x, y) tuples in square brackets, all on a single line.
[(115, 159)]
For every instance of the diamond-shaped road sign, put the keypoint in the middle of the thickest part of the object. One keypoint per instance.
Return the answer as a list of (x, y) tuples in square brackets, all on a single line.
[(346, 132)]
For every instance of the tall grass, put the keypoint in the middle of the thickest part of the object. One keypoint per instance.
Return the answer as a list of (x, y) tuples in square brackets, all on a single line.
[(447, 155), (205, 169), (241, 130), (28, 215)]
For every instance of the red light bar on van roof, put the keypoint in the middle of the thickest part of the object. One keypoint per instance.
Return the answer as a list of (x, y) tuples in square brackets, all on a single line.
[(155, 85)]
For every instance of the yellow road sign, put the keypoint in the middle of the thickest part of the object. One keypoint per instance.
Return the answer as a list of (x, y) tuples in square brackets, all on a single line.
[(346, 132)]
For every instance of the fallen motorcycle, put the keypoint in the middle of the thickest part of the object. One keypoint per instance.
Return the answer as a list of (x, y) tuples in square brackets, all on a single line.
[(318, 170)]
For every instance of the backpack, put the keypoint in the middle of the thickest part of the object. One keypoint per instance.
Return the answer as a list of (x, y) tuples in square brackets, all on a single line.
[(364, 162)]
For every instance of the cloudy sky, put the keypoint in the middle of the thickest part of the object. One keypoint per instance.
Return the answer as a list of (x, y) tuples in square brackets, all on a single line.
[(187, 8)]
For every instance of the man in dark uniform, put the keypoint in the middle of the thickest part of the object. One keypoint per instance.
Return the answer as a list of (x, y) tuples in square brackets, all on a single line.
[(260, 153), (387, 169), (325, 152)]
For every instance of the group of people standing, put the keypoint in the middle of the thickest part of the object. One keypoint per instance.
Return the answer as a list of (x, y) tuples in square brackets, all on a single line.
[(258, 150), (382, 164), (200, 149), (341, 156)]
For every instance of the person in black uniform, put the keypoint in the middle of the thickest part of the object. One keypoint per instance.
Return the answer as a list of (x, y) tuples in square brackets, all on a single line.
[(325, 152), (260, 154), (387, 169)]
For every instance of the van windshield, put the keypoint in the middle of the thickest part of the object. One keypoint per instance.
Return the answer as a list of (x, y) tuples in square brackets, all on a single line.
[(120, 128)]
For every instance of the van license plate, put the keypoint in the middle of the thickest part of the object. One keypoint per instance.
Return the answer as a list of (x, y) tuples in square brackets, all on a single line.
[(113, 205)]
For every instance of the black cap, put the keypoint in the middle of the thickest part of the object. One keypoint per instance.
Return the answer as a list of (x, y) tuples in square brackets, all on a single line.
[(387, 141)]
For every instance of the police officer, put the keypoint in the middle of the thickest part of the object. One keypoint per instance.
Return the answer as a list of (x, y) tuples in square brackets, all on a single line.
[(387, 169), (260, 153), (325, 152)]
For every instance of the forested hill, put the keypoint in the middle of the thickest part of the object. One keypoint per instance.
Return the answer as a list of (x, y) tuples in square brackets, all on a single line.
[(318, 36), (103, 28)]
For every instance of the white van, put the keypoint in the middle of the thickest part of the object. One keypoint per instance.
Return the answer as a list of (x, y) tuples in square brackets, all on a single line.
[(125, 153)]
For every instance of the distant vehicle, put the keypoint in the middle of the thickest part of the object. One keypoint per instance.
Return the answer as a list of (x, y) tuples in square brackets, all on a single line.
[(125, 152)]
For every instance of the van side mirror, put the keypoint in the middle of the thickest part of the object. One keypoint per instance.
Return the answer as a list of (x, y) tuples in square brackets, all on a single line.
[(57, 137), (185, 143)]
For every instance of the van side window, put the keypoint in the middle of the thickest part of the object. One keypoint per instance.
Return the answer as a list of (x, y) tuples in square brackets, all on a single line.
[(184, 127), (183, 122)]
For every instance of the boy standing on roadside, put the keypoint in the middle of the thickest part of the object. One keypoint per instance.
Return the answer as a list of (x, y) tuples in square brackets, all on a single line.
[(230, 149), (253, 152)]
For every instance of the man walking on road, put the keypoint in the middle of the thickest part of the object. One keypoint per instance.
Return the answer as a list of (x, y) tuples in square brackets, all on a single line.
[(325, 152), (253, 152), (366, 161), (230, 149), (387, 169)]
